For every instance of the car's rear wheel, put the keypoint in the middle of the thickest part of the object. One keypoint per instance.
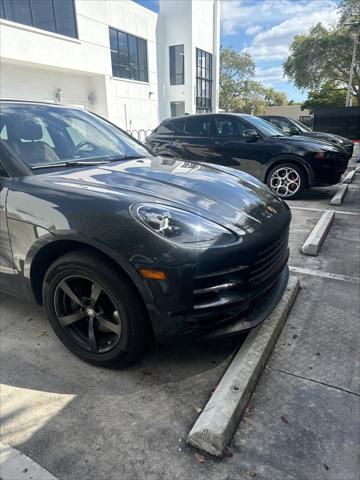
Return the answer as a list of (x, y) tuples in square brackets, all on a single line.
[(94, 309), (287, 180)]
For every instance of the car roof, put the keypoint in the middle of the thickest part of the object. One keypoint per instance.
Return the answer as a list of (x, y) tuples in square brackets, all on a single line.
[(213, 114)]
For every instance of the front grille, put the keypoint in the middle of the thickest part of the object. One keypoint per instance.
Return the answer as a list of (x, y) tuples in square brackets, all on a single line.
[(270, 261), (218, 296)]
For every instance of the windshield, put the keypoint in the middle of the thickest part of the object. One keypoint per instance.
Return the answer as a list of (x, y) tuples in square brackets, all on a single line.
[(266, 128), (301, 126), (47, 136)]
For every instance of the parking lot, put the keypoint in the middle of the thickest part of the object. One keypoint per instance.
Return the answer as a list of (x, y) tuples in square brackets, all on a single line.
[(79, 421)]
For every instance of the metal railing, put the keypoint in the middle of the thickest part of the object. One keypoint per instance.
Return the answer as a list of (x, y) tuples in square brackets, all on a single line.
[(140, 134)]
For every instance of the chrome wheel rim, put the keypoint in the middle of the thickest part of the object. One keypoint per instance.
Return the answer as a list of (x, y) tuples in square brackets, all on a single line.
[(285, 181), (87, 314)]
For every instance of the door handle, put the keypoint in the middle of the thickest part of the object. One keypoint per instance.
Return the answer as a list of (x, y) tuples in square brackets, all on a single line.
[(219, 144)]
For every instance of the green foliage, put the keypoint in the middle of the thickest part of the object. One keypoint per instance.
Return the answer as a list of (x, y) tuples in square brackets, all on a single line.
[(238, 92), (235, 70), (328, 96), (323, 56)]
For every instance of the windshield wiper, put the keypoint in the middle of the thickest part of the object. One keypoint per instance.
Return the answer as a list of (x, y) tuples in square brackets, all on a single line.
[(72, 163), (85, 163)]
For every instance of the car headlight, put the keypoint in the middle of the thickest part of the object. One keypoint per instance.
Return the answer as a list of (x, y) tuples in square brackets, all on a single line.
[(181, 226)]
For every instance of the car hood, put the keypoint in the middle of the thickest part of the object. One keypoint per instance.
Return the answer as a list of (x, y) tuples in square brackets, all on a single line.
[(227, 196), (330, 137), (310, 142)]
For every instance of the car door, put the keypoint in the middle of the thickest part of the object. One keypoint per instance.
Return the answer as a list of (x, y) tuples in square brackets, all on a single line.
[(233, 149), (7, 270), (192, 138)]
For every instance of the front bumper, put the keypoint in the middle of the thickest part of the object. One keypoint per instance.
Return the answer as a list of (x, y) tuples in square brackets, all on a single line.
[(329, 171), (203, 301)]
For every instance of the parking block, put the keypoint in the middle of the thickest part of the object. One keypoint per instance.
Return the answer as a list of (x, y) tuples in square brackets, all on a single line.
[(339, 195), (316, 238), (217, 423)]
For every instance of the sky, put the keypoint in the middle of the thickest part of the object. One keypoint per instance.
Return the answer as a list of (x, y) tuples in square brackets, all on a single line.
[(265, 29)]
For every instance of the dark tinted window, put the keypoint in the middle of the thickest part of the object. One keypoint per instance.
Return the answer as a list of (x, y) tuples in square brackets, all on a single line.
[(226, 127), (282, 123), (179, 126), (165, 127), (51, 15), (128, 56), (203, 81), (197, 126), (176, 54), (43, 15)]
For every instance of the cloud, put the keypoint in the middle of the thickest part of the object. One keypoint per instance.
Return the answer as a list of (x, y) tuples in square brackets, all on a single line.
[(274, 42), (270, 76), (239, 15), (274, 23), (252, 30)]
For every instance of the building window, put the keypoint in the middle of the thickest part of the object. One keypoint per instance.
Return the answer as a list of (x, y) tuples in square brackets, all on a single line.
[(203, 81), (177, 108), (128, 56), (176, 56), (56, 16)]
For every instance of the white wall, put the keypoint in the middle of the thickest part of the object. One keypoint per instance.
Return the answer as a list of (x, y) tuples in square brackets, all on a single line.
[(35, 63)]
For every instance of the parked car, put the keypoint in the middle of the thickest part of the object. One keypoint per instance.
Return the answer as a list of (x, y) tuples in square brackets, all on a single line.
[(117, 243), (288, 164), (294, 127)]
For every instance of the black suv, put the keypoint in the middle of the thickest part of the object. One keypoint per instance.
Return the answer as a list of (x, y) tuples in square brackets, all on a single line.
[(294, 127), (286, 163)]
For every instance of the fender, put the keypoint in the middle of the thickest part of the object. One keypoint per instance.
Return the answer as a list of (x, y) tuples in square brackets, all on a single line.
[(58, 238), (287, 157)]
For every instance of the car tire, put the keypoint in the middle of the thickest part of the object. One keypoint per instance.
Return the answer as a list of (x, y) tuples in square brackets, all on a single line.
[(287, 180), (94, 309)]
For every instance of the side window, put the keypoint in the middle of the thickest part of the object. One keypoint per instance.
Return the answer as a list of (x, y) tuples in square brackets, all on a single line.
[(283, 124), (226, 127), (165, 128), (179, 126), (197, 126), (242, 127)]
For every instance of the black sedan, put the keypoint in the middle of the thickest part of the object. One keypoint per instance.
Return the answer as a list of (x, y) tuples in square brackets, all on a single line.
[(288, 164), (294, 127), (118, 244)]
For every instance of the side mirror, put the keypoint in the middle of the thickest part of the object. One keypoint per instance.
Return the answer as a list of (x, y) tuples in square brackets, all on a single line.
[(250, 134), (294, 131)]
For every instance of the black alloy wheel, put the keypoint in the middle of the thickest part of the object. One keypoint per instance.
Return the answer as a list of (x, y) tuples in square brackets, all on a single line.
[(94, 309)]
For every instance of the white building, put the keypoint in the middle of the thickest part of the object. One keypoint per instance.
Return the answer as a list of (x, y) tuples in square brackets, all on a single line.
[(113, 57)]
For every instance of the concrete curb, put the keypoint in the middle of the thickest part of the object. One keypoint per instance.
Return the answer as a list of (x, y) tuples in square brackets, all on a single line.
[(316, 238), (339, 195), (349, 177), (219, 420), (16, 465)]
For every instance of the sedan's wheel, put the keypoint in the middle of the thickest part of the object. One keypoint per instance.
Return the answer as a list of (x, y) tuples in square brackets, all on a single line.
[(286, 180), (94, 309)]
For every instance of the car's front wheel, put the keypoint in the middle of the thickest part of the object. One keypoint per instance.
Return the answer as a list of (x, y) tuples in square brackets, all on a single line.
[(94, 309), (287, 180)]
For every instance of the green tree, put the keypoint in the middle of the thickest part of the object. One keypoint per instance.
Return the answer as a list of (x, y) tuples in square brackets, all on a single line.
[(323, 56), (275, 98), (327, 96), (236, 69), (238, 91)]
